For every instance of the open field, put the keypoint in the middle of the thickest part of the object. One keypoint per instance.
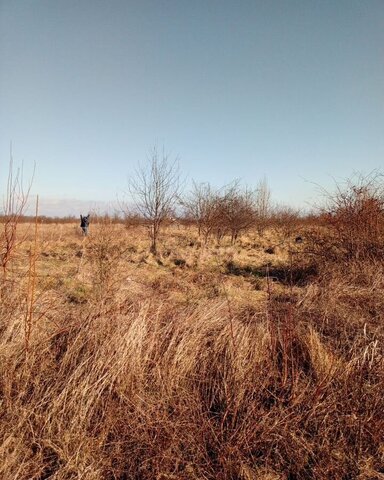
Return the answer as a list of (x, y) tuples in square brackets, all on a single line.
[(253, 361)]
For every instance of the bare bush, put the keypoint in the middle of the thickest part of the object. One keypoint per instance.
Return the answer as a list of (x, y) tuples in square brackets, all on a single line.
[(230, 210), (285, 222), (353, 217), (15, 203), (236, 211)]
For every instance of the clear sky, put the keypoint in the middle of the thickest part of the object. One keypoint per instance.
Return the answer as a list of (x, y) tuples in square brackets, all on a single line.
[(287, 89)]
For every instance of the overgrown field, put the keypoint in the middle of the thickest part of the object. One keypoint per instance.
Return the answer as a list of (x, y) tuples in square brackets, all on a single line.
[(261, 360)]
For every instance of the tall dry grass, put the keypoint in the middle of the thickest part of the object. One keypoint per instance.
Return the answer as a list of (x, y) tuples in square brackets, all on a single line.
[(125, 382)]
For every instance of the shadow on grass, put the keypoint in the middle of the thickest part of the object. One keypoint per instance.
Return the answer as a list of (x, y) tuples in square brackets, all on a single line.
[(296, 275)]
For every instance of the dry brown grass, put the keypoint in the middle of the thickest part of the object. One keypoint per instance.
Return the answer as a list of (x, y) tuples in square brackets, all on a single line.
[(204, 362)]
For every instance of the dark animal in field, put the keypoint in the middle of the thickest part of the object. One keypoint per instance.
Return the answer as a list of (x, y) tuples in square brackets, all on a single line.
[(84, 223)]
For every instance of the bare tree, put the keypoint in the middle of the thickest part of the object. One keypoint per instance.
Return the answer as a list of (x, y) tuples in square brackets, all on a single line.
[(226, 211), (200, 207), (263, 205), (235, 211), (155, 190)]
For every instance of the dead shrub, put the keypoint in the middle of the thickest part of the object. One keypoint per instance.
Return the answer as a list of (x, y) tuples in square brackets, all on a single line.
[(353, 221)]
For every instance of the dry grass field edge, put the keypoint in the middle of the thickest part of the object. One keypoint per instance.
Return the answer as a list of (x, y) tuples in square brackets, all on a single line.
[(221, 361)]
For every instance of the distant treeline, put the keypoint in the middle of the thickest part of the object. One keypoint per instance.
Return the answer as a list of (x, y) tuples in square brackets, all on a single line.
[(132, 219), (67, 219), (41, 219)]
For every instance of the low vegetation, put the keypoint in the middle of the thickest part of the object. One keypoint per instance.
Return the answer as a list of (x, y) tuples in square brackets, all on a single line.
[(256, 356)]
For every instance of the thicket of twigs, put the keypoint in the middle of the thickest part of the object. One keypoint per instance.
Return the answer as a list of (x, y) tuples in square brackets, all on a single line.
[(353, 218)]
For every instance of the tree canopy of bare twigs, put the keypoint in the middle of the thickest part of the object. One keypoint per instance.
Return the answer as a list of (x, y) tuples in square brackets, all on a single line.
[(263, 205), (236, 210), (230, 210), (155, 191), (199, 206)]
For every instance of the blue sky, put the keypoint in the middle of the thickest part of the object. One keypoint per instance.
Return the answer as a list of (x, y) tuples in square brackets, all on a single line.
[(291, 90)]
